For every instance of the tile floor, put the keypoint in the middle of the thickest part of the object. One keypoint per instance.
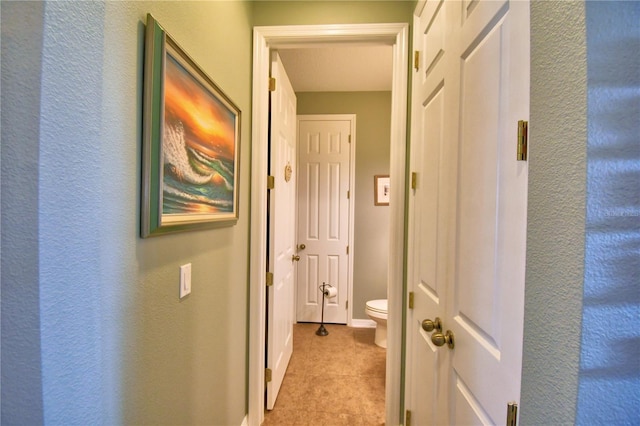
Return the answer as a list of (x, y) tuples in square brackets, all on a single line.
[(332, 380)]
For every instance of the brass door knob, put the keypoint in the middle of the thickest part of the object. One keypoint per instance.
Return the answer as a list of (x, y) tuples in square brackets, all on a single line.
[(295, 257), (440, 339), (302, 247), (429, 326)]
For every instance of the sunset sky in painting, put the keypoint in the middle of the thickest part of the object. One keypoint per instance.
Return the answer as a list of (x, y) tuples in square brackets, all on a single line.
[(209, 125)]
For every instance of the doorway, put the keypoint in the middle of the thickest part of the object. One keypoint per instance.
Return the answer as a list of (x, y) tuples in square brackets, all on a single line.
[(265, 39)]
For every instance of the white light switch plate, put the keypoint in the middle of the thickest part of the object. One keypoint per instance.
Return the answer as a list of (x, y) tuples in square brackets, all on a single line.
[(185, 280)]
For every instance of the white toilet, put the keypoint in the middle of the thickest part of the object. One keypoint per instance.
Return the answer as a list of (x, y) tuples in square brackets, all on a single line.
[(377, 311)]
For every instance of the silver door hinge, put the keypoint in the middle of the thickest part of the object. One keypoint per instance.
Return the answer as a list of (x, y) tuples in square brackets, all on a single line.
[(272, 84), (416, 60), (523, 134), (271, 182), (269, 279), (411, 297), (512, 414)]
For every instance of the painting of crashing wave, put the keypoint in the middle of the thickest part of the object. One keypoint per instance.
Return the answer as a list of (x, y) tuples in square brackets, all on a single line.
[(191, 138), (198, 147)]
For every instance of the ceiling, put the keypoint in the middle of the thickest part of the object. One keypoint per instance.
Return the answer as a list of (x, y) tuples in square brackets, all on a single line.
[(339, 68)]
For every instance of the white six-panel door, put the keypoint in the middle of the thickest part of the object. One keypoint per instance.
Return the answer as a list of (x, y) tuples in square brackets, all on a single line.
[(282, 229), (323, 217), (468, 210)]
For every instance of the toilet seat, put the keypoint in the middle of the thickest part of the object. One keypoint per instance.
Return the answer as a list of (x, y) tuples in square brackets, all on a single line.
[(378, 306)]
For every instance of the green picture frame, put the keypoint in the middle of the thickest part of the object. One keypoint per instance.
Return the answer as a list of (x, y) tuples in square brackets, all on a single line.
[(190, 143)]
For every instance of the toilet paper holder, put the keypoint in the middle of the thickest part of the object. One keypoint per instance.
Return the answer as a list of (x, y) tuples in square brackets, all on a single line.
[(326, 292)]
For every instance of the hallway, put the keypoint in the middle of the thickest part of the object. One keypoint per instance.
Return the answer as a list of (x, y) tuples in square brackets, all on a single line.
[(338, 379)]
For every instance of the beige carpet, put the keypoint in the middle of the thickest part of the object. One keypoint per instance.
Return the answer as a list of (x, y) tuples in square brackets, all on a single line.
[(332, 380)]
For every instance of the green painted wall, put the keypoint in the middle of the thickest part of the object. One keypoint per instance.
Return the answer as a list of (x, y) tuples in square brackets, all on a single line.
[(188, 365), (371, 232), (106, 339), (331, 12)]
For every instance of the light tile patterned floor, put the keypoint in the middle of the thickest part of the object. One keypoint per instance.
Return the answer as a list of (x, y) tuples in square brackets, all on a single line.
[(332, 380)]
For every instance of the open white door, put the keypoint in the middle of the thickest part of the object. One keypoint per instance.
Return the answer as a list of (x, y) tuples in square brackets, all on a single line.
[(324, 152), (468, 211), (282, 229)]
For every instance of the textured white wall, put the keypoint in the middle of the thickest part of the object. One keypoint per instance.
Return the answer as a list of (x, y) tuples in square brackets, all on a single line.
[(21, 51), (69, 221), (556, 213), (609, 391)]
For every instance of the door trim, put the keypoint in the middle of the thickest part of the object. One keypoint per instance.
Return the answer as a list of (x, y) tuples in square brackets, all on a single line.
[(265, 38), (351, 118)]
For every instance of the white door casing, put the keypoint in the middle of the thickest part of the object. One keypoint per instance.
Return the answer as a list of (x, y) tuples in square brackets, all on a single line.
[(264, 39), (325, 145), (282, 229), (468, 95)]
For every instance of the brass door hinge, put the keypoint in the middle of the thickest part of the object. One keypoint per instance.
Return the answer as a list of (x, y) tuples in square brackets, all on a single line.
[(512, 414), (271, 182), (416, 60), (347, 249), (411, 297), (407, 418), (269, 279), (272, 84), (523, 135), (346, 305), (414, 180), (267, 375), (348, 195)]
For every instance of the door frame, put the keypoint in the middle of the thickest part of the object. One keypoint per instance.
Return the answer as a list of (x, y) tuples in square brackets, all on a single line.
[(351, 118), (265, 38)]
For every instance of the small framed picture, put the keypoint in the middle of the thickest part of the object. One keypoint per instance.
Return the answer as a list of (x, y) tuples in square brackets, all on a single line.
[(381, 187)]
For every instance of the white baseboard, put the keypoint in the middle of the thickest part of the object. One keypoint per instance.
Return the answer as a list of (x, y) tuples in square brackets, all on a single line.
[(363, 323)]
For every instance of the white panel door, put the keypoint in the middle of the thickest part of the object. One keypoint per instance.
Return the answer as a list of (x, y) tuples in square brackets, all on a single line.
[(282, 218), (323, 217), (434, 100), (468, 265)]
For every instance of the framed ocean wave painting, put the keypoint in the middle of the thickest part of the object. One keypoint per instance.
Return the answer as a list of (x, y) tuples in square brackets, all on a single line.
[(191, 143)]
